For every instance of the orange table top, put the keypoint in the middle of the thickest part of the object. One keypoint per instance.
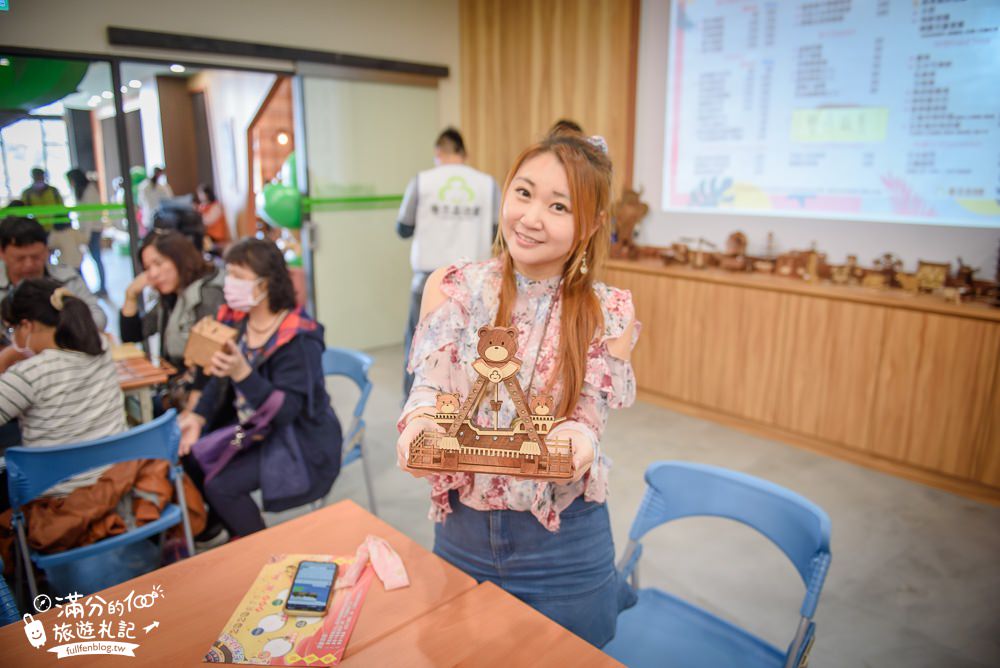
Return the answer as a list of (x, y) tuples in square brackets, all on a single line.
[(138, 372), (485, 626), (201, 593)]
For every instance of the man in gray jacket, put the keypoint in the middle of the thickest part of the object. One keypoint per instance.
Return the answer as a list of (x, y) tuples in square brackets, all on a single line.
[(25, 254)]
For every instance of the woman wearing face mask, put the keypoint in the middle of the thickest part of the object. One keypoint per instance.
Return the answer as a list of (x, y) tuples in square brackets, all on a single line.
[(279, 349), (188, 289)]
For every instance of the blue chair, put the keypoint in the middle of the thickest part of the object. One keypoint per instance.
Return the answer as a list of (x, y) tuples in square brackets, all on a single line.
[(664, 630), (31, 471), (353, 365)]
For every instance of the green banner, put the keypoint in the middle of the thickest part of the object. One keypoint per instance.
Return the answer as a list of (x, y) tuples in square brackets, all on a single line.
[(352, 203), (51, 214)]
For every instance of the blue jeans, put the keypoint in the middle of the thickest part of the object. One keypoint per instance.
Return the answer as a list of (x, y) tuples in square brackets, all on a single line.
[(569, 576)]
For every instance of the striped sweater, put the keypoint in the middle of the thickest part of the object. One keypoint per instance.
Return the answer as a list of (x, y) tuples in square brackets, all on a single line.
[(61, 397)]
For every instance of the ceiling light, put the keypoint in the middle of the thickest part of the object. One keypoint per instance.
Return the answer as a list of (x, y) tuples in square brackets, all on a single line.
[(177, 68), (135, 83), (282, 138), (124, 88), (107, 95), (93, 103)]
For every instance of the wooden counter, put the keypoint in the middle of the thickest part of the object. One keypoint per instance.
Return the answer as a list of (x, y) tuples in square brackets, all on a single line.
[(904, 383)]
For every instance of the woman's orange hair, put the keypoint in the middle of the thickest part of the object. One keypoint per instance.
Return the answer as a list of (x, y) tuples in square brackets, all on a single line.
[(588, 171)]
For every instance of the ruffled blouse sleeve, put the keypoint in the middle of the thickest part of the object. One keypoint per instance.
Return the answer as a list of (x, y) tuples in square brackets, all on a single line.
[(434, 355), (609, 382)]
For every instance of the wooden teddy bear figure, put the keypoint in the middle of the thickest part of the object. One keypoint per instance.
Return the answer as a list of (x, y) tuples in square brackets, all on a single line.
[(541, 405), (446, 403), (497, 346)]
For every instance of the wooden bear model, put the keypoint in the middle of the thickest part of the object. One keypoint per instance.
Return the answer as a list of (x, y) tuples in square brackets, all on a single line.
[(497, 347)]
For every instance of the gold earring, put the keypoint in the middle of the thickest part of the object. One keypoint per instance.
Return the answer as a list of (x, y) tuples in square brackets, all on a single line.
[(583, 266)]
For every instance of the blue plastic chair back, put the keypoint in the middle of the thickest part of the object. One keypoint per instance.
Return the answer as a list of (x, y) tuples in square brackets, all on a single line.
[(354, 365), (800, 528), (33, 470)]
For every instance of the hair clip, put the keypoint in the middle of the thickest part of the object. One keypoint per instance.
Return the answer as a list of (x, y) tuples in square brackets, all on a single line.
[(58, 297), (598, 142)]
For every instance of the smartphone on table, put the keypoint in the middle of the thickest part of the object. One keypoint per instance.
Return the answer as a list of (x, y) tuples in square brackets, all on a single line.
[(312, 589)]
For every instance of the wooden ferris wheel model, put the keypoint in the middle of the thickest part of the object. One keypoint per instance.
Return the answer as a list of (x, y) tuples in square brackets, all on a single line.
[(523, 448)]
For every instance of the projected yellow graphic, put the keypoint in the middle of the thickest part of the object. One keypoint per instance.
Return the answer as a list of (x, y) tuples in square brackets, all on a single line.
[(850, 124)]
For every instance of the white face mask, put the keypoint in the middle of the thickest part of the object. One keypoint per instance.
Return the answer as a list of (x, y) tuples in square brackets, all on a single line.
[(239, 293), (26, 351)]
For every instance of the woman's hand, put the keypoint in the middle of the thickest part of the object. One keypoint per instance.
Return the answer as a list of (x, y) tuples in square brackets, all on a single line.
[(229, 362), (583, 449), (411, 431), (133, 293), (191, 425)]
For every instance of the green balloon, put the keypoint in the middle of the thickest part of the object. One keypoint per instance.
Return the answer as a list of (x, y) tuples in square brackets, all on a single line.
[(137, 173), (281, 206)]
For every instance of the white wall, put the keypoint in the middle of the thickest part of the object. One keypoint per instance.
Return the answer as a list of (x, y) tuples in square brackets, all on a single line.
[(358, 143), (866, 239), (425, 31), (232, 99)]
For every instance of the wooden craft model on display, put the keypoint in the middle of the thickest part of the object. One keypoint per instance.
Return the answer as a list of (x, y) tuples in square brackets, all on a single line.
[(523, 448), (629, 212), (734, 259), (208, 336)]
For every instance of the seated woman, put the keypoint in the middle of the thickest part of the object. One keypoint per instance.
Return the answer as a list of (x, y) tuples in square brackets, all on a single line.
[(279, 349), (189, 289), (66, 391)]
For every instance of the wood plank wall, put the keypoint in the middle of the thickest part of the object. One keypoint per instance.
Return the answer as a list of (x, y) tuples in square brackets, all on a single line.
[(524, 64), (901, 383)]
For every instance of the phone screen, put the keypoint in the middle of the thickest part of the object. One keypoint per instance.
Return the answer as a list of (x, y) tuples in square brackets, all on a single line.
[(312, 585)]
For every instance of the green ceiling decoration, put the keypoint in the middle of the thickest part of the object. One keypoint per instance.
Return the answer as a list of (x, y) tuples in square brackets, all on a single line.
[(29, 83)]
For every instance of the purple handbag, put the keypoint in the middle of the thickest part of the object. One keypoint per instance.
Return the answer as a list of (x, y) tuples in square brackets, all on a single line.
[(215, 450)]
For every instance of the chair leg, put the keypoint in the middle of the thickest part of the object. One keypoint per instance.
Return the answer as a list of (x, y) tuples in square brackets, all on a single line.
[(368, 477), (182, 502), (22, 542)]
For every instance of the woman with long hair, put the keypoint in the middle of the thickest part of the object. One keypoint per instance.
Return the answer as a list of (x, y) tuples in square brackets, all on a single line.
[(547, 543)]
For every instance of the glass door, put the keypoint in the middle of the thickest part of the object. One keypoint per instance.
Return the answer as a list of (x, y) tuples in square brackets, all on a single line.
[(364, 141)]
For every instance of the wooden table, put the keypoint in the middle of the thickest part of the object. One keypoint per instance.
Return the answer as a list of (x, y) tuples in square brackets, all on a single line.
[(138, 376), (485, 626), (202, 592)]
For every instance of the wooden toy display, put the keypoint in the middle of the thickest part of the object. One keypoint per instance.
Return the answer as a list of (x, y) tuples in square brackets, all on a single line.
[(522, 448), (629, 212), (208, 336), (811, 265)]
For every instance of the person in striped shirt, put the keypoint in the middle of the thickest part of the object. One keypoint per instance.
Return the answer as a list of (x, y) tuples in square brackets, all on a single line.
[(66, 389)]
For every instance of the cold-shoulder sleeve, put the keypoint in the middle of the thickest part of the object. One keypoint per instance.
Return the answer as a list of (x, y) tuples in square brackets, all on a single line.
[(434, 355), (606, 375)]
